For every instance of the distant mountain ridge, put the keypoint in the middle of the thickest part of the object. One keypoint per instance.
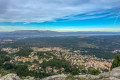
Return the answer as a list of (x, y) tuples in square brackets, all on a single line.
[(39, 33), (31, 32)]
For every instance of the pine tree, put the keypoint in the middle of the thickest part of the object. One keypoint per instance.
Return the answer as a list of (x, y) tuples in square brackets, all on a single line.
[(116, 62)]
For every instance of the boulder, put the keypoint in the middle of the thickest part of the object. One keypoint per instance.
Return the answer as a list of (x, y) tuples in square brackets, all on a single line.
[(115, 72)]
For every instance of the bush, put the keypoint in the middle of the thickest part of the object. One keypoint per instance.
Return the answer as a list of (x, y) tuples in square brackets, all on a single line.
[(93, 71), (74, 72)]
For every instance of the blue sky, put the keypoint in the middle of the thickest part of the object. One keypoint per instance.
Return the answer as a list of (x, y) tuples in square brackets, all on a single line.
[(60, 15)]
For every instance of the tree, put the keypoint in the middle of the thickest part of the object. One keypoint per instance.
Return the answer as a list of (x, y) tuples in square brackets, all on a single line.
[(3, 59), (24, 52), (116, 62), (22, 70), (8, 66)]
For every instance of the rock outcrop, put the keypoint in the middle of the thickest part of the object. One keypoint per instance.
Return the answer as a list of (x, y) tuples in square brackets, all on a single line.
[(115, 72), (112, 75), (15, 77), (10, 77)]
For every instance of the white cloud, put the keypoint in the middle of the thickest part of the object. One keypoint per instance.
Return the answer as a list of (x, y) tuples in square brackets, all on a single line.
[(50, 10)]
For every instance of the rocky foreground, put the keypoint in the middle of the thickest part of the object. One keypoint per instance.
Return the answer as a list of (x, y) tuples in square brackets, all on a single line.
[(112, 75)]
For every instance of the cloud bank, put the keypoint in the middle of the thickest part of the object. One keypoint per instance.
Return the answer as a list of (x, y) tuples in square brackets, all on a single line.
[(51, 10)]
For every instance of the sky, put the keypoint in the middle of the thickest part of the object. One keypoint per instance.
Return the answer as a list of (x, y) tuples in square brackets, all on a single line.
[(60, 15)]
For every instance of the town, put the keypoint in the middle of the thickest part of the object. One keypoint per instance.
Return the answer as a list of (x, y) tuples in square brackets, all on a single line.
[(75, 58)]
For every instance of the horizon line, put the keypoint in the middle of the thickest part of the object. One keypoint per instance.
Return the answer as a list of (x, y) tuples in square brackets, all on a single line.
[(59, 31)]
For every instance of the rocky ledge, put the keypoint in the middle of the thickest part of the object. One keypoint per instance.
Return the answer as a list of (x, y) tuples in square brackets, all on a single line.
[(112, 75)]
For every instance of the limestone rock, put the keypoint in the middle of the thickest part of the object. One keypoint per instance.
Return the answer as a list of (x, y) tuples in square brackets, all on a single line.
[(10, 77), (112, 75), (115, 72)]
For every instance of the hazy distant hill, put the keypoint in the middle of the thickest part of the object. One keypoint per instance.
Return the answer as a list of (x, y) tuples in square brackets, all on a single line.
[(31, 32), (37, 33)]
